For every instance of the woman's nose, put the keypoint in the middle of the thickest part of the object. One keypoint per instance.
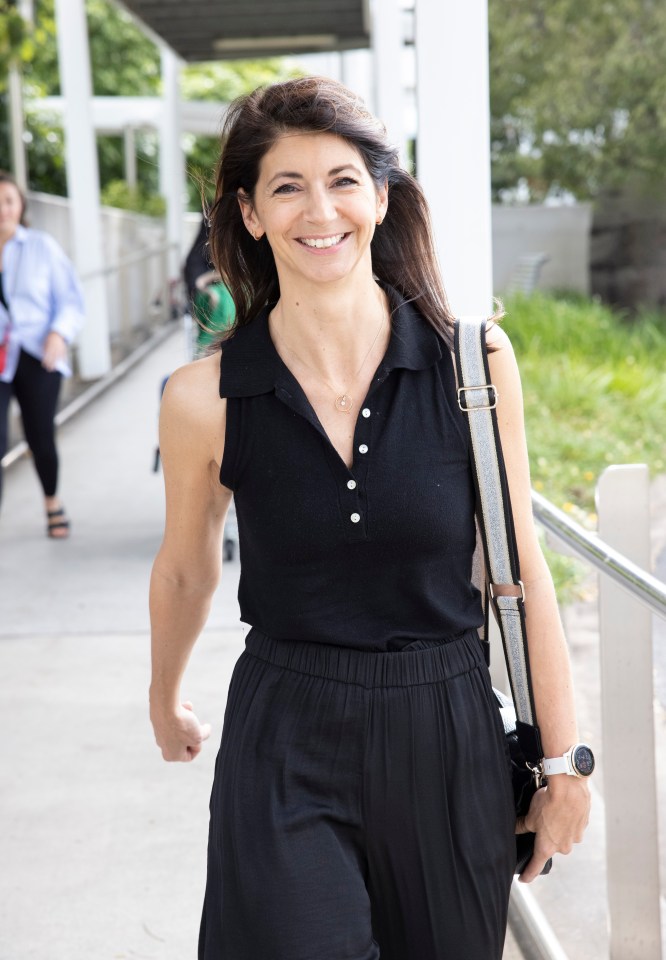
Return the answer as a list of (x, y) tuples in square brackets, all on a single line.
[(320, 207)]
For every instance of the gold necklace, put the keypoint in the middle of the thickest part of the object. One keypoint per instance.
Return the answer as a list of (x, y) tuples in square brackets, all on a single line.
[(344, 403)]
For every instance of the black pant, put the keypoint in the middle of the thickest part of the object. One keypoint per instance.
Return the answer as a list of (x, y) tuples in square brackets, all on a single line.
[(36, 391), (362, 807)]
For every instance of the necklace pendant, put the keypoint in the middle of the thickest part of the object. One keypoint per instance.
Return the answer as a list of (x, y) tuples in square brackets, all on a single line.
[(344, 403)]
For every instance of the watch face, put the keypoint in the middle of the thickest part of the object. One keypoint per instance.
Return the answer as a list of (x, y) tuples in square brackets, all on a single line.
[(582, 759)]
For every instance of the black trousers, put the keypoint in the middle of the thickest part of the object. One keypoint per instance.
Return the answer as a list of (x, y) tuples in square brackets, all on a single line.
[(361, 807), (36, 391)]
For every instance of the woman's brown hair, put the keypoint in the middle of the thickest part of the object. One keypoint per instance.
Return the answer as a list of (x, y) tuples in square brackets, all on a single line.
[(8, 178), (403, 252)]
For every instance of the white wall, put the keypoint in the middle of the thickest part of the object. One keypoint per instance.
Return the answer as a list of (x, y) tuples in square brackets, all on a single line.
[(562, 233), (134, 290)]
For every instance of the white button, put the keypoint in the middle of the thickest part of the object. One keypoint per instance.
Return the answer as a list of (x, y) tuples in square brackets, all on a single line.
[(363, 448), (355, 517), (365, 411), (351, 484)]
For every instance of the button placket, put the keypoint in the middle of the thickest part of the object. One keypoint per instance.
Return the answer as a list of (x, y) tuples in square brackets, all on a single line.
[(356, 486), (353, 510)]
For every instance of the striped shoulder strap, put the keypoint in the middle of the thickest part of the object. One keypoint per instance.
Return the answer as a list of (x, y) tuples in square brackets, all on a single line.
[(478, 399)]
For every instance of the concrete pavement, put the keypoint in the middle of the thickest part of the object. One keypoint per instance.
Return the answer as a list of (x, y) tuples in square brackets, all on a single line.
[(103, 844)]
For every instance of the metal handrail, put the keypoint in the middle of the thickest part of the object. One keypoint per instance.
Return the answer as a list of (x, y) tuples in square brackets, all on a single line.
[(589, 547), (129, 260)]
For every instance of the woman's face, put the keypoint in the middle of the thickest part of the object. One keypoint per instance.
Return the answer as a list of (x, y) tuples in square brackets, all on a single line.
[(318, 207), (11, 208)]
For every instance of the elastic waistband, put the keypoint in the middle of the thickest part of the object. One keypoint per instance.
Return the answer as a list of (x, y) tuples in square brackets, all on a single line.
[(402, 668)]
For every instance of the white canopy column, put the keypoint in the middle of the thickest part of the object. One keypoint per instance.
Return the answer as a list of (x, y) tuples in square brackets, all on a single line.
[(129, 156), (172, 162), (83, 184), (356, 73), (16, 120), (387, 45), (453, 144)]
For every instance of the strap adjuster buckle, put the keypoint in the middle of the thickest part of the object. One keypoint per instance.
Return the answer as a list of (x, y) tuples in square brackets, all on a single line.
[(519, 584), (493, 397)]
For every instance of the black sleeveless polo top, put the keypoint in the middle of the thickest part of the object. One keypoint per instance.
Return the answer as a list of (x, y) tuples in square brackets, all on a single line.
[(374, 557)]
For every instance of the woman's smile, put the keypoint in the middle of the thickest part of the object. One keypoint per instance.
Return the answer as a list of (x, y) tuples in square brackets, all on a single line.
[(319, 244)]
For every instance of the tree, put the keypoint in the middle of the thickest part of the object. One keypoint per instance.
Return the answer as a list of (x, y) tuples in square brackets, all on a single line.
[(16, 47), (16, 44), (578, 95), (125, 62), (221, 82)]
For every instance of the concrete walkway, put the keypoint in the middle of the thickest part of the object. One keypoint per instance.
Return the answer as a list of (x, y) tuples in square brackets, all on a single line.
[(103, 844)]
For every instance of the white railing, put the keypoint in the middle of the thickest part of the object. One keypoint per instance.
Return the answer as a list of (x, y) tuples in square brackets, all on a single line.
[(139, 293), (628, 598)]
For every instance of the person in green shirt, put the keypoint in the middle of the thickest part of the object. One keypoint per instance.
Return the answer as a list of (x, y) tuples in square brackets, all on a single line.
[(213, 310)]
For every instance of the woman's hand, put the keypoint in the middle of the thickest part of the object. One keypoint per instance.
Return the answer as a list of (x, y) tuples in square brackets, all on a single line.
[(55, 350), (178, 734), (558, 816)]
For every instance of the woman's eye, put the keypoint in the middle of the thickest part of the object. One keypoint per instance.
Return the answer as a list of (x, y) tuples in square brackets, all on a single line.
[(285, 188), (345, 182)]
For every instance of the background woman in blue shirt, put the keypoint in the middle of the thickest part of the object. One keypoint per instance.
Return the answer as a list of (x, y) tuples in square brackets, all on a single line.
[(41, 310)]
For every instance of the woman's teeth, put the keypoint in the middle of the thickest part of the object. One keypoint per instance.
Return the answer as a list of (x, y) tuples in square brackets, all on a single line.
[(325, 242)]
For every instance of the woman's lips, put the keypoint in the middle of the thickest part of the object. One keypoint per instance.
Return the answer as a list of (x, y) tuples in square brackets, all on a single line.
[(322, 243)]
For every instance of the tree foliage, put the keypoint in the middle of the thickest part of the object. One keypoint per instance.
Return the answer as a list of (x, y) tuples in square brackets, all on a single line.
[(221, 82), (224, 80), (578, 94), (16, 44), (125, 62)]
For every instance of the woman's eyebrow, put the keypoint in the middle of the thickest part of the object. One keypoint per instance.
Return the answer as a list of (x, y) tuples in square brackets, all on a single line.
[(293, 175), (345, 166), (285, 173)]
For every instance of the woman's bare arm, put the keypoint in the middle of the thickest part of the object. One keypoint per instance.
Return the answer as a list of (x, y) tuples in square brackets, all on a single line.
[(187, 568), (559, 814)]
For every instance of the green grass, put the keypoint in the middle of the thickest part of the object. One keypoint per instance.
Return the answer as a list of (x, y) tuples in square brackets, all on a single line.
[(595, 394)]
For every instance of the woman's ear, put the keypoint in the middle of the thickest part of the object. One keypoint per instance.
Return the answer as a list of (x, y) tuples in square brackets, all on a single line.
[(382, 201), (248, 214)]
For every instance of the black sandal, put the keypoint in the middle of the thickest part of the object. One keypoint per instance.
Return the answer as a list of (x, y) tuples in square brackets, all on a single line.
[(53, 523)]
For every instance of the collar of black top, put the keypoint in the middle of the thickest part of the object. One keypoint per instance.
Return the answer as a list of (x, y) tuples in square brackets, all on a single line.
[(250, 365)]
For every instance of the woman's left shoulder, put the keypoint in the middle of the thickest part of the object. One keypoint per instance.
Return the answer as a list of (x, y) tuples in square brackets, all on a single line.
[(38, 242), (501, 356), (43, 242), (504, 371), (497, 339)]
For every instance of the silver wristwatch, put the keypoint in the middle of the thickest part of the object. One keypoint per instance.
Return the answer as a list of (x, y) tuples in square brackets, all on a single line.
[(578, 761)]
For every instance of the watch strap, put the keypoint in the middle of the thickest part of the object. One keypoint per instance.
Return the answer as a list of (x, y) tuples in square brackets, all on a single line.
[(556, 765)]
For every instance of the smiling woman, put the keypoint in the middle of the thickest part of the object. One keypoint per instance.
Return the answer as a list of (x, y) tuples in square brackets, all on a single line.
[(362, 804)]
